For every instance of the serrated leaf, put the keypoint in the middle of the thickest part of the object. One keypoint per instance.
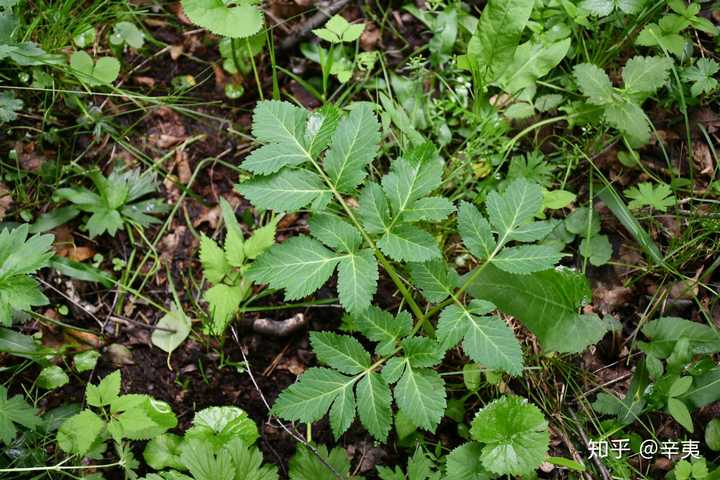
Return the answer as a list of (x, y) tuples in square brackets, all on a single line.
[(223, 300), (516, 206), (373, 405), (533, 231), (238, 19), (630, 119), (321, 126), (342, 352), (412, 178), (342, 412), (645, 74), (432, 279), (420, 393), (357, 280), (546, 302), (527, 258), (422, 352), (475, 231), (272, 157), (374, 211), (234, 240), (15, 410), (305, 464), (464, 463), (309, 399), (204, 464), (380, 326), (300, 266), (409, 243), (104, 392), (353, 147), (261, 239), (212, 258), (334, 232), (515, 435), (487, 339), (429, 209), (594, 83), (77, 433), (285, 191), (532, 60)]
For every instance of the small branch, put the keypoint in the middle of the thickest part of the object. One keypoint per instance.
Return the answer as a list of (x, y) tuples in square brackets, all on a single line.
[(278, 422), (598, 463), (279, 328), (315, 21)]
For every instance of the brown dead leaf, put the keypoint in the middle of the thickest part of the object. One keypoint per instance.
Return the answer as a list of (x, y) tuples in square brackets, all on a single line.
[(608, 298), (144, 81), (176, 51), (30, 160), (120, 355), (703, 158), (370, 37), (6, 200), (211, 216), (86, 338)]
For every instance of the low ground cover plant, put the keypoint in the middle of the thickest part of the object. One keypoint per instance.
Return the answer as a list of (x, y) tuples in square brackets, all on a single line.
[(432, 240)]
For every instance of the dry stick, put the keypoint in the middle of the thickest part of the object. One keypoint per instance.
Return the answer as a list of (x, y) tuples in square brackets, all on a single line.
[(598, 463), (313, 22), (278, 422)]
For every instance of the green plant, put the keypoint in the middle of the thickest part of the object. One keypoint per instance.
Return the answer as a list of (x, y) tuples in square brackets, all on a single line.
[(218, 445), (112, 416), (225, 268), (677, 374), (239, 19), (94, 73), (666, 33), (117, 202), (389, 227), (15, 411), (645, 194), (702, 76), (126, 33), (642, 76), (20, 258)]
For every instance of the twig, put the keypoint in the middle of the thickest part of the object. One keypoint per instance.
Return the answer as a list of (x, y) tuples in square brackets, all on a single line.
[(278, 422), (276, 328), (598, 463), (315, 21)]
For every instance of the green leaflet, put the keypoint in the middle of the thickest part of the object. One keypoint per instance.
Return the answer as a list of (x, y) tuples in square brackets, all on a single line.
[(286, 191), (642, 76), (354, 145), (381, 327), (420, 393), (301, 265), (492, 47), (487, 340), (511, 214), (343, 352), (532, 60), (547, 302), (294, 140), (15, 410)]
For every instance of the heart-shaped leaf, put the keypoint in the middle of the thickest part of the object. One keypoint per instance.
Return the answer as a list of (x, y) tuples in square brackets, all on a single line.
[(104, 71)]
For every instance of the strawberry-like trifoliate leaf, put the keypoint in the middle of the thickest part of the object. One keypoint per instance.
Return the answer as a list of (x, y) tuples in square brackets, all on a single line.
[(515, 436)]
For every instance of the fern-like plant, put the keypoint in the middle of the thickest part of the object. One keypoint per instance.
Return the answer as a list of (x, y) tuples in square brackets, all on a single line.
[(360, 224)]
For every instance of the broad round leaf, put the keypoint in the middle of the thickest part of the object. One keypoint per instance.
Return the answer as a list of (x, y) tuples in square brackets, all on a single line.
[(239, 21)]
